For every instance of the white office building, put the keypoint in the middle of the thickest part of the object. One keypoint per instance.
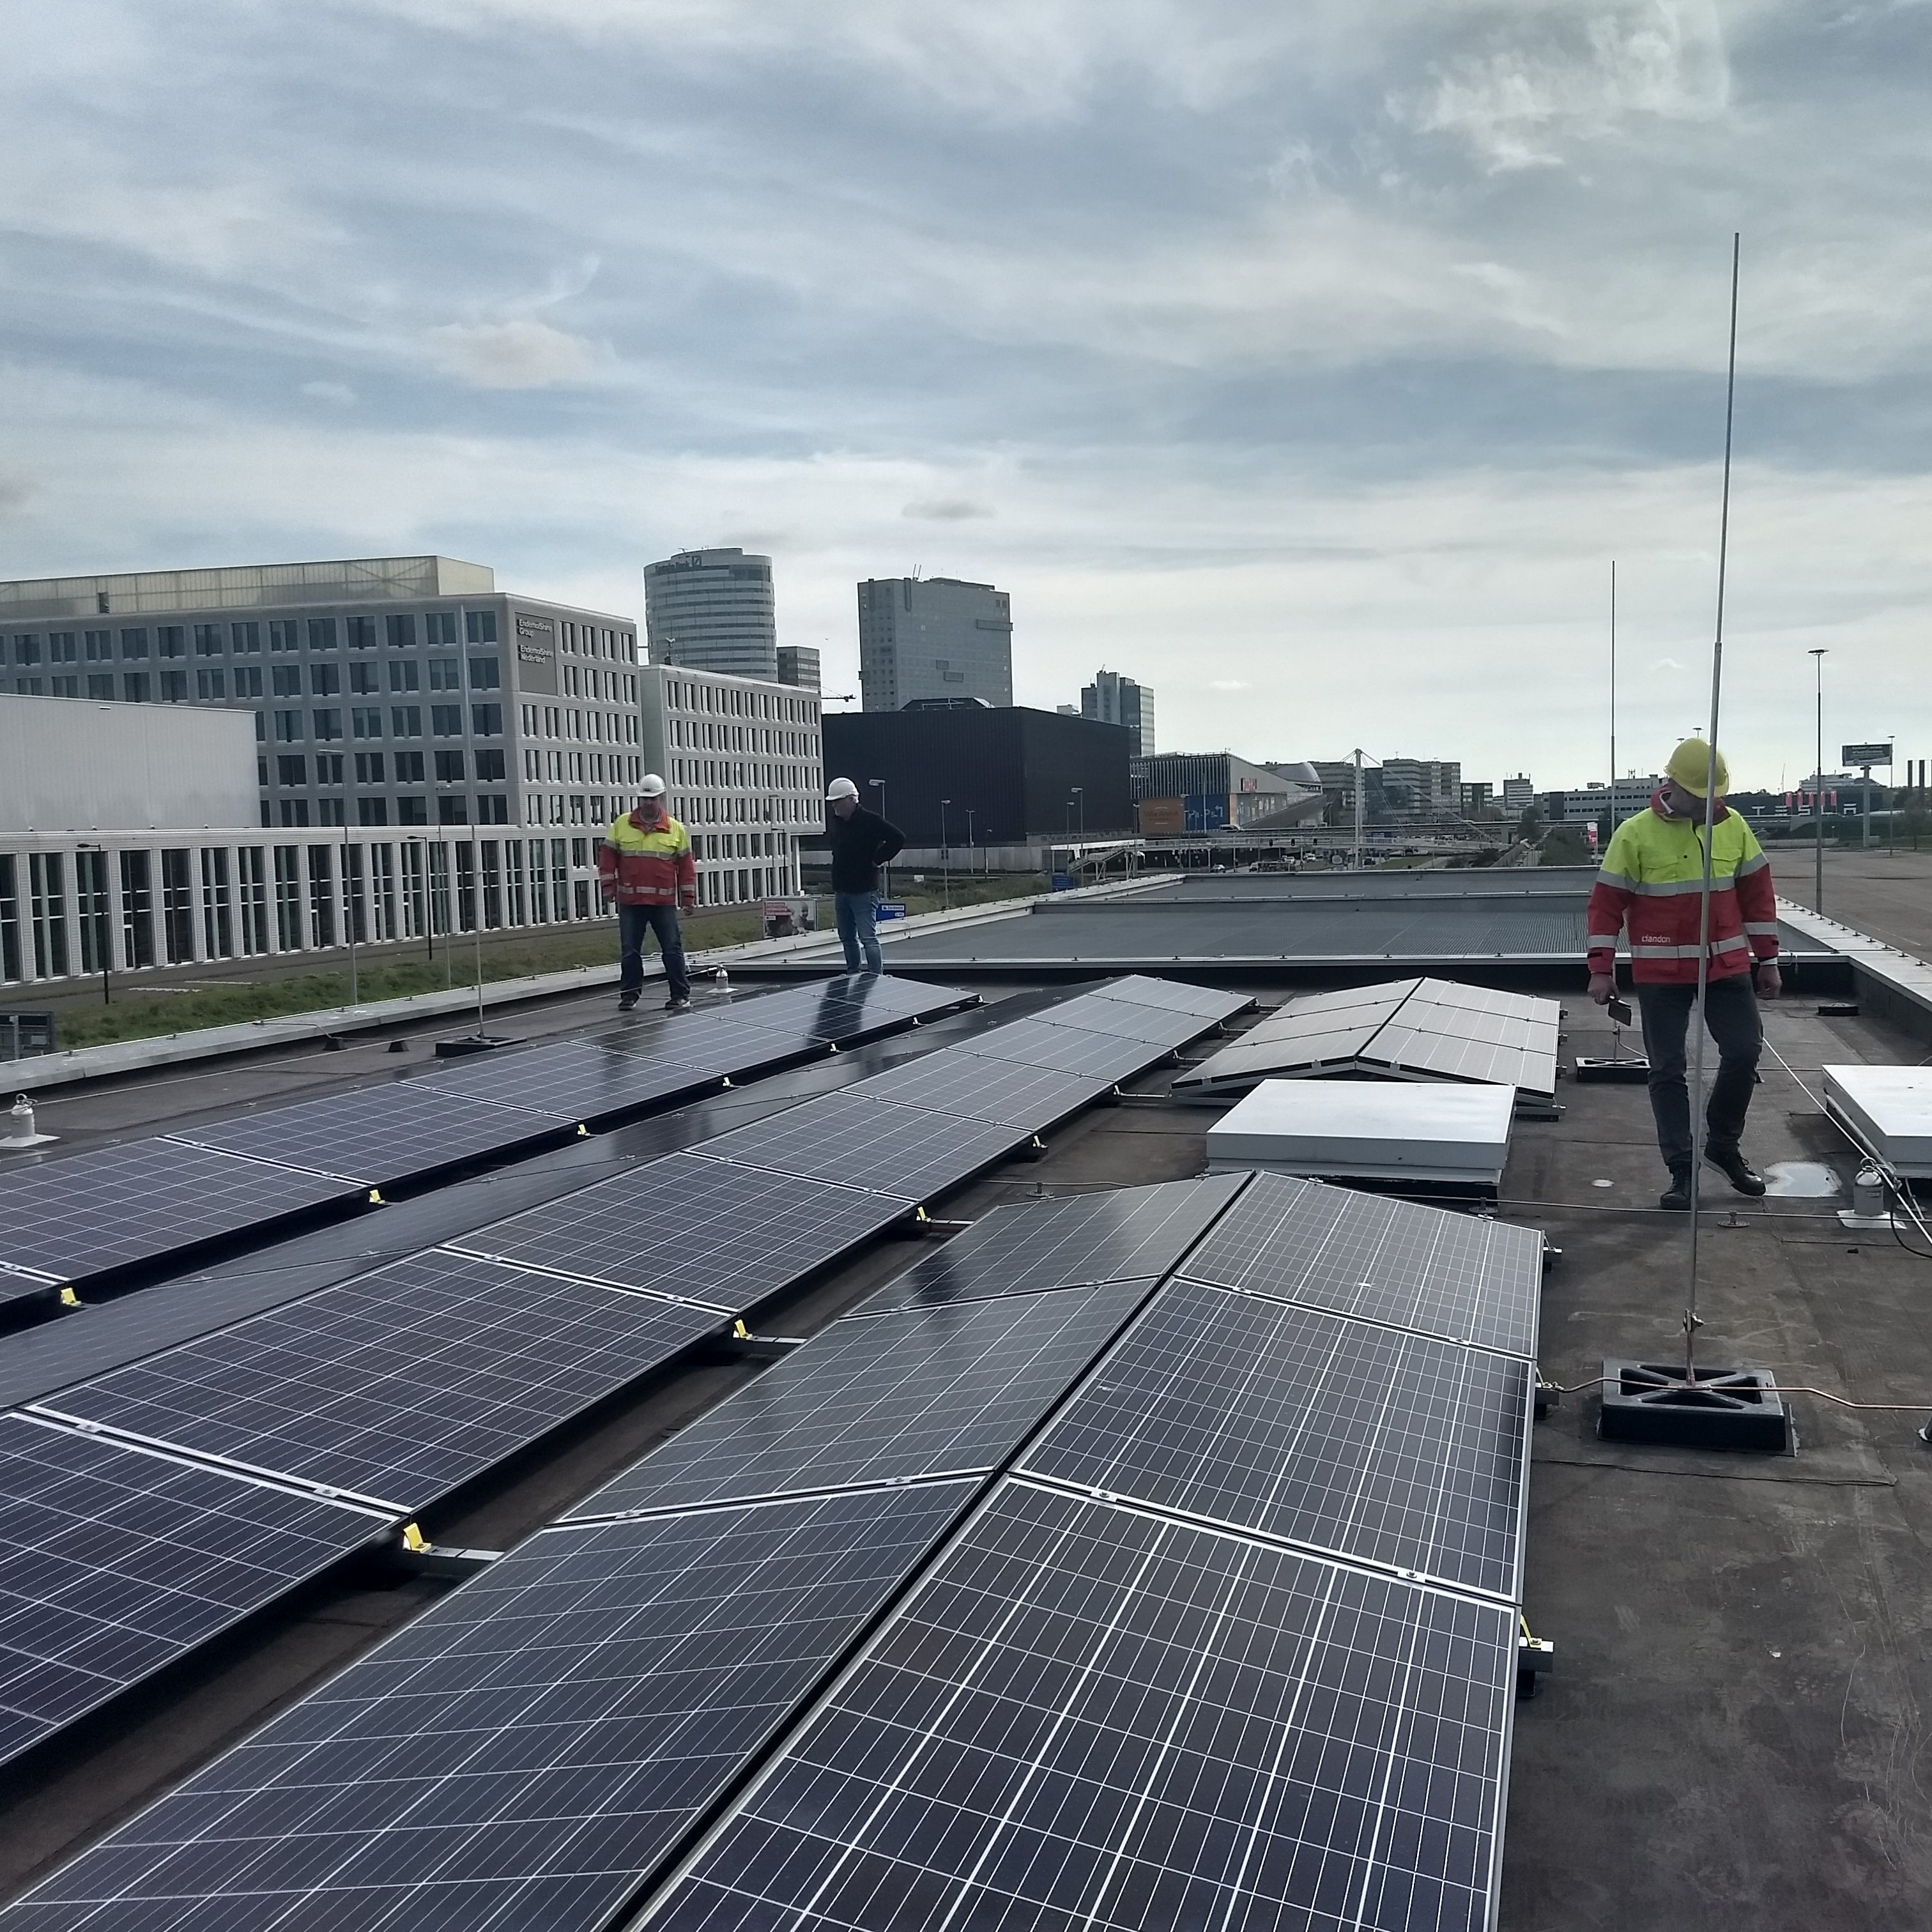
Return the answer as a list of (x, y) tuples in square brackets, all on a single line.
[(743, 760), (922, 638), (1117, 700), (712, 610)]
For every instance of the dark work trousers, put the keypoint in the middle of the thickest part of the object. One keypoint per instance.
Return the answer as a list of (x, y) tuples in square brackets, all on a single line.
[(1730, 1012), (633, 923)]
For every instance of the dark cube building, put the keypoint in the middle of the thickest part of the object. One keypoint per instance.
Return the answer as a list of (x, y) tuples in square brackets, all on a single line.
[(1022, 774)]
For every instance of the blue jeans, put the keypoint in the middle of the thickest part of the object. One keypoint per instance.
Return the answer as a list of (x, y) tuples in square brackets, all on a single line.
[(1730, 1012), (858, 928), (633, 923)]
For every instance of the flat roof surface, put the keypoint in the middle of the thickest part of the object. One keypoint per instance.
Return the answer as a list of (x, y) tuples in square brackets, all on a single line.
[(1733, 1732)]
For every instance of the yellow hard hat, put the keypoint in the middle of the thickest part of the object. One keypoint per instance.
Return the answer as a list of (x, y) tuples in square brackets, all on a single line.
[(1690, 766)]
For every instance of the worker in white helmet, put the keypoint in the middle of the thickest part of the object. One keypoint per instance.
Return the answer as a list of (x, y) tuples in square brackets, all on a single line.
[(862, 842), (645, 867)]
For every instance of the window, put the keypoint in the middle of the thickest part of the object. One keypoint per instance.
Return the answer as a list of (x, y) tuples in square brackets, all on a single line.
[(286, 680), (101, 686), (451, 811), (174, 687), (368, 768), (291, 769), (405, 721), (295, 811), (329, 768), (480, 626), (408, 768), (412, 811), (449, 768), (134, 686), (402, 629), (485, 673), (211, 684), (134, 644), (446, 721), (444, 674), (288, 727), (284, 633), (322, 634), (490, 768), (60, 647), (492, 809), (362, 677), (67, 686), (365, 721), (487, 720), (27, 650), (325, 680), (170, 641), (372, 811), (332, 812), (245, 637), (248, 680), (361, 633), (207, 640), (99, 646), (405, 674)]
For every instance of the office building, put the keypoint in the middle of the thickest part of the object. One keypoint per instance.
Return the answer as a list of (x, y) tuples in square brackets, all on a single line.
[(743, 760), (1593, 802), (1117, 700), (1519, 795), (1213, 791), (934, 637), (799, 664), (1420, 790), (711, 610), (385, 691), (1005, 775), (1478, 796)]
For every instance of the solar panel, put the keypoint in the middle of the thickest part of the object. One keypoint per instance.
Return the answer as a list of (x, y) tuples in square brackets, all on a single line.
[(575, 1080), (876, 1399), (374, 1134), (1362, 1441), (1121, 1019), (1090, 1717), (1174, 996), (114, 1562), (878, 993), (706, 1230), (1411, 1267), (517, 1758), (87, 1213), (1036, 1042), (901, 1151), (397, 1386), (718, 1044), (1033, 1097), (1114, 1235)]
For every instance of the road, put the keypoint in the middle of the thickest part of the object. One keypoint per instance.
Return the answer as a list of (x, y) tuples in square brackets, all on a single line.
[(1888, 896)]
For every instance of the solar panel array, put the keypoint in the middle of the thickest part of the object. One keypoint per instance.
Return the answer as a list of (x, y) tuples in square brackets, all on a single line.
[(1021, 1608), (394, 1389), (1408, 1029), (95, 1214)]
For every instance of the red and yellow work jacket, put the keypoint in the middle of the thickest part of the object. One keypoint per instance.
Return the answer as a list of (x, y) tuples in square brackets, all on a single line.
[(1653, 877), (648, 864)]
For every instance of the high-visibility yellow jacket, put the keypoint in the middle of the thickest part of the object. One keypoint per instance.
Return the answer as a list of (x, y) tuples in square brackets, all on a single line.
[(1652, 876), (648, 864)]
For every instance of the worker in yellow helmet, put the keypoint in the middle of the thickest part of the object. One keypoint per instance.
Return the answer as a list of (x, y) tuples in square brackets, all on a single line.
[(1652, 877)]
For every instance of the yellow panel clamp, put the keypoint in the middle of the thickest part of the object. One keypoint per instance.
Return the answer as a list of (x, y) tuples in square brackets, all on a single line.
[(583, 1131), (413, 1538), (740, 1332), (68, 1299), (375, 1197)]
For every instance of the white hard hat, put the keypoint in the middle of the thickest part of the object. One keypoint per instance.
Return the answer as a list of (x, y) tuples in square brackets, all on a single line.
[(841, 788), (652, 786)]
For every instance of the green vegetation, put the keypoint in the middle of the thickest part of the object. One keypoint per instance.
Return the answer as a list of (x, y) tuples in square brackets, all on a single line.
[(143, 1008), (1565, 845)]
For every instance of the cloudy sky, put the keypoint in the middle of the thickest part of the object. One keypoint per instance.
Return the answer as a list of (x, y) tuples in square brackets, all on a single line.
[(1309, 360)]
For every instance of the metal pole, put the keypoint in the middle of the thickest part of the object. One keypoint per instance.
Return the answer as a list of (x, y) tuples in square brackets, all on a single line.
[(1358, 808), (1613, 694), (1697, 1126), (1818, 792), (945, 855), (349, 915)]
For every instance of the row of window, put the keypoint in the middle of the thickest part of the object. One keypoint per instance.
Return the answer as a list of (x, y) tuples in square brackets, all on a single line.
[(612, 687), (578, 767), (405, 721), (598, 640), (742, 774), (600, 727), (732, 700), (292, 768), (491, 808), (244, 638)]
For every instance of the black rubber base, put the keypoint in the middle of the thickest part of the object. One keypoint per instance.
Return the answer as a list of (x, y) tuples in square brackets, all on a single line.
[(1635, 1073), (1724, 1408), (465, 1044)]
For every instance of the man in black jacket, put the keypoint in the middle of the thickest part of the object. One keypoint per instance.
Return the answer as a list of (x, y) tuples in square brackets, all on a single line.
[(862, 842)]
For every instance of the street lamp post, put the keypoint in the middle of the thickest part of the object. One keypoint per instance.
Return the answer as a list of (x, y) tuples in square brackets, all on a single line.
[(1818, 790), (969, 838), (945, 855), (1080, 792)]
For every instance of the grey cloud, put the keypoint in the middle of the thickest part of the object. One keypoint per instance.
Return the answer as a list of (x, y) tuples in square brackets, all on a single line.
[(946, 510), (520, 354)]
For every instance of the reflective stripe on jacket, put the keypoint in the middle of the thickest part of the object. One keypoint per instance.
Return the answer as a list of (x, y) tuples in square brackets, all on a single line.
[(648, 865), (1652, 879)]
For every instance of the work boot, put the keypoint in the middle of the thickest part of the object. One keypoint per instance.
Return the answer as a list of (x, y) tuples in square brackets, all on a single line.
[(1730, 1163), (625, 1001), (1677, 1196), (677, 1005)]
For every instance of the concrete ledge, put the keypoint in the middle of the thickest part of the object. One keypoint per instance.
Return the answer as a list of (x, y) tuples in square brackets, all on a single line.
[(1896, 984)]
